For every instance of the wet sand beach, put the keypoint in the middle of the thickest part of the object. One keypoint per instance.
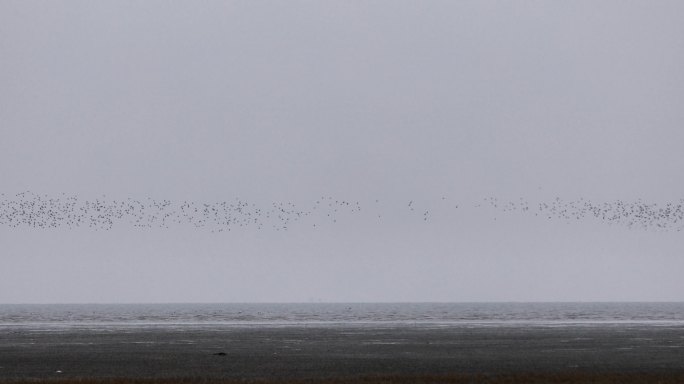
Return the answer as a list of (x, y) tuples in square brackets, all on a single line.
[(316, 352)]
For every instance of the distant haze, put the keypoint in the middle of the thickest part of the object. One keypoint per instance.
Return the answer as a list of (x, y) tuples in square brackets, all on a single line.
[(428, 116)]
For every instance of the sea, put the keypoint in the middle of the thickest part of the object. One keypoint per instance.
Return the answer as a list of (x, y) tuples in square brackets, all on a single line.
[(58, 316)]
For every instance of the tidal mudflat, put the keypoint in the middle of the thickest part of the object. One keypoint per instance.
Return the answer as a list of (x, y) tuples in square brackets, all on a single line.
[(314, 352)]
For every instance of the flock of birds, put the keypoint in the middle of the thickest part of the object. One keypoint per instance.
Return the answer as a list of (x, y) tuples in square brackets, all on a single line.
[(633, 214), (32, 210)]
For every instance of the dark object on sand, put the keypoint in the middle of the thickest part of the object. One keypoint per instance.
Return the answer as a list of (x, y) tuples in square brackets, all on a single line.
[(219, 354)]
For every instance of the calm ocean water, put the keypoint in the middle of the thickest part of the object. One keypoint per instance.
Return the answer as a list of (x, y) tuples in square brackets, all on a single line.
[(109, 315)]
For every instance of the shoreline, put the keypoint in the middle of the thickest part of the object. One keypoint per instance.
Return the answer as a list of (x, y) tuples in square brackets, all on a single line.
[(456, 378)]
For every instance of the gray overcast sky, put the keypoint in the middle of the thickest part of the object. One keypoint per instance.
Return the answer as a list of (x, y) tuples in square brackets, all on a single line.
[(361, 100)]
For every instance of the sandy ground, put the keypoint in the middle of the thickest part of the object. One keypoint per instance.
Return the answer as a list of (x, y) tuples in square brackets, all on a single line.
[(314, 351)]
